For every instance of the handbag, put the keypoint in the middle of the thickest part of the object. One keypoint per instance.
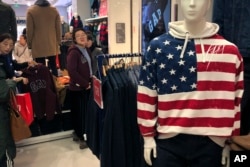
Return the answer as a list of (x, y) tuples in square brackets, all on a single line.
[(19, 129), (25, 108)]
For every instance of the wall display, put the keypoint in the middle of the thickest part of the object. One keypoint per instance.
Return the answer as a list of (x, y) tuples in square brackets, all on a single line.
[(120, 32), (155, 18)]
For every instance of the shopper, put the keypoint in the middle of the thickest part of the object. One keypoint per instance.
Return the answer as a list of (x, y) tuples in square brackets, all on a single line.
[(43, 25), (22, 55), (7, 144), (191, 84), (95, 51), (80, 73)]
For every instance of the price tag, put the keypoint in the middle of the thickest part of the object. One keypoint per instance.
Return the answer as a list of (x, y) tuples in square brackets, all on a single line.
[(97, 88)]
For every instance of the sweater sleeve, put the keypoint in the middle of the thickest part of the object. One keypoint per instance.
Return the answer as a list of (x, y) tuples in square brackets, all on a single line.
[(147, 96), (239, 87)]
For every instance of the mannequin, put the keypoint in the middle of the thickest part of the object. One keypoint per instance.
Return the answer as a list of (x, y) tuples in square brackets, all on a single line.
[(76, 21), (65, 26), (44, 33), (181, 121)]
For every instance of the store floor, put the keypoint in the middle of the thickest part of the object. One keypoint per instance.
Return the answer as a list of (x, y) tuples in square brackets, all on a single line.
[(58, 153)]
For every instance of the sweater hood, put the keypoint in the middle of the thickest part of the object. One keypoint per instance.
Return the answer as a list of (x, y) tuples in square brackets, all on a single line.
[(176, 29), (42, 3), (74, 47)]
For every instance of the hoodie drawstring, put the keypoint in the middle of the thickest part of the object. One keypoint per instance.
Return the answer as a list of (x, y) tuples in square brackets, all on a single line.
[(203, 51), (184, 46)]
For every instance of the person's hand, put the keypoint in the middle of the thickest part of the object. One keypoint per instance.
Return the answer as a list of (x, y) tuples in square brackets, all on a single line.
[(149, 146), (25, 81), (88, 86), (32, 63), (225, 156), (17, 79)]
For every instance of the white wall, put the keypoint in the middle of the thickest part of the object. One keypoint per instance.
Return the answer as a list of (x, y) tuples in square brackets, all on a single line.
[(22, 9), (119, 11), (82, 8)]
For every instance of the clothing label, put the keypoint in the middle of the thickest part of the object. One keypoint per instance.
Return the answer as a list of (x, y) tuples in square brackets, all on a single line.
[(97, 88)]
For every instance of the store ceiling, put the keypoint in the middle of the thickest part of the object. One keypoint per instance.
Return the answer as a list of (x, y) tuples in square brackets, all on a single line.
[(31, 2)]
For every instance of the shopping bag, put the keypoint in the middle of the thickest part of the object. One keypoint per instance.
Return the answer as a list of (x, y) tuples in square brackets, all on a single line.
[(25, 108), (19, 129)]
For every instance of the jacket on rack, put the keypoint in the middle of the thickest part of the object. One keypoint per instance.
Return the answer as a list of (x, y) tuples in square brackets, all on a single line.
[(194, 83), (42, 90)]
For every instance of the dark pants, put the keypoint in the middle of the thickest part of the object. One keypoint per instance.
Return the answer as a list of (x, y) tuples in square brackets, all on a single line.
[(79, 102), (51, 63), (187, 151), (3, 161)]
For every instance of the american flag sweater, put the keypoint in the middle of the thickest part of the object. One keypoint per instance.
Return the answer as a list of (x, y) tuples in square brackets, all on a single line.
[(198, 93)]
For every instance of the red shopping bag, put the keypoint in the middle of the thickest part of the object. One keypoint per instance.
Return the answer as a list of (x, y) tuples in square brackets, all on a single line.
[(25, 107)]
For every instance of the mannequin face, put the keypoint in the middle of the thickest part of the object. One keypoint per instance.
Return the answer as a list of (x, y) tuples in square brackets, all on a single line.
[(71, 28), (75, 15), (62, 19), (194, 10)]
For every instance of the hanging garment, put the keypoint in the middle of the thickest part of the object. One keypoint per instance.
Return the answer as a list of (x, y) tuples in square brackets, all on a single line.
[(42, 90)]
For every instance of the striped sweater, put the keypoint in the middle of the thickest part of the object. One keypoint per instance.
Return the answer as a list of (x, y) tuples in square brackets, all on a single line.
[(193, 88)]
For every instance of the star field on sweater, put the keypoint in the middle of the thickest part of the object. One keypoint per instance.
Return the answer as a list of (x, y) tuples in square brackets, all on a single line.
[(165, 71)]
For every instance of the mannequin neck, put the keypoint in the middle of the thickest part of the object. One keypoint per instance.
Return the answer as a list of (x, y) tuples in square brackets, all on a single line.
[(195, 28)]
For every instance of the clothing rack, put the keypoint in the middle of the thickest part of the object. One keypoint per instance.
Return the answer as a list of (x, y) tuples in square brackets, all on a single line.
[(113, 132), (127, 56)]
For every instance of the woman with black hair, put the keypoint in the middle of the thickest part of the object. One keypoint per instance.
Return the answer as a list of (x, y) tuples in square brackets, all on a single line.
[(80, 73), (7, 144)]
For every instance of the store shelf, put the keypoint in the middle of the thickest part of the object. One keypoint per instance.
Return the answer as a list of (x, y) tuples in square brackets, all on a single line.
[(96, 19)]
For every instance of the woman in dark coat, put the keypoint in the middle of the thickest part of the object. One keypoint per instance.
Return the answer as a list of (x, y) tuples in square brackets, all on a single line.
[(7, 144), (79, 66)]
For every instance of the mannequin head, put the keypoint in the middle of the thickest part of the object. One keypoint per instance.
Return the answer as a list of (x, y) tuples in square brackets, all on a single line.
[(194, 11), (62, 19), (71, 28), (76, 15)]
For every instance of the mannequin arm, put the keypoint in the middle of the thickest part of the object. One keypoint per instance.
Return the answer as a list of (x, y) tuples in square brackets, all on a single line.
[(149, 146)]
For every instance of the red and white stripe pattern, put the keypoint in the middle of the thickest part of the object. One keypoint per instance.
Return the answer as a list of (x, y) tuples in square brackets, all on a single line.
[(211, 108)]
